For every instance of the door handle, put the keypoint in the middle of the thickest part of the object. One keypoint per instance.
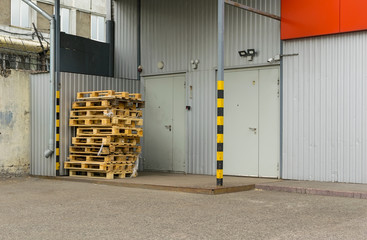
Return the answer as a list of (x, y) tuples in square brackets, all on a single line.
[(169, 127)]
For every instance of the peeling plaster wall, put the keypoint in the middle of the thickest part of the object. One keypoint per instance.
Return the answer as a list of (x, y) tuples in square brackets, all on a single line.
[(15, 123)]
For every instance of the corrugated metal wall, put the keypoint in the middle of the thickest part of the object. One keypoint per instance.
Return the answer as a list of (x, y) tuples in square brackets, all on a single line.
[(175, 32), (126, 39), (40, 165), (325, 108), (70, 84)]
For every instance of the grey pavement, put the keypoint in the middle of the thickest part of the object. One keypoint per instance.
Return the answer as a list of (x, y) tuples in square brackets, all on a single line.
[(32, 208)]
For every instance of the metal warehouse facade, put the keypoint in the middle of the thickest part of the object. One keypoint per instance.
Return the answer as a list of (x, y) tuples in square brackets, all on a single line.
[(322, 94), (295, 92), (176, 32)]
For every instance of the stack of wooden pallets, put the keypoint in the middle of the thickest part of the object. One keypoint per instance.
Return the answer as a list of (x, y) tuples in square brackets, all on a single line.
[(108, 131)]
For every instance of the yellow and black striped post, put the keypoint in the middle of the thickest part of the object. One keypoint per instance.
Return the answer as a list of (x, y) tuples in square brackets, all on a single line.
[(220, 89), (220, 122), (57, 133)]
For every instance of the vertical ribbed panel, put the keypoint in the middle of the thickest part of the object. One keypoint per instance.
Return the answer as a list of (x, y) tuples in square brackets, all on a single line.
[(40, 165), (126, 39), (71, 84), (201, 122), (245, 30), (164, 35), (176, 32), (325, 109)]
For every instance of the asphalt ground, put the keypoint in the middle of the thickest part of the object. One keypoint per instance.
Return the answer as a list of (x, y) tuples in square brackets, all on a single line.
[(32, 208)]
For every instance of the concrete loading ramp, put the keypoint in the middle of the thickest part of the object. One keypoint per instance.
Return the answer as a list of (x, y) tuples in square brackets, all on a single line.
[(202, 184)]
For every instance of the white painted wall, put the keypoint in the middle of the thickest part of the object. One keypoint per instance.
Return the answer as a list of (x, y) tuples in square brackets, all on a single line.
[(15, 123)]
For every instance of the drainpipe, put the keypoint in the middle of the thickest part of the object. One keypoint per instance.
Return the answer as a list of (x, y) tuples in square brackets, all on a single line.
[(139, 38), (48, 153), (110, 37), (57, 42)]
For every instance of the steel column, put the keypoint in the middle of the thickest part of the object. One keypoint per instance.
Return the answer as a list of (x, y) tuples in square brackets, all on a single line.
[(220, 96)]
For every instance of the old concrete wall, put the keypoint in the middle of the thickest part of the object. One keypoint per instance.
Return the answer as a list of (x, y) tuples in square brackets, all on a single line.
[(15, 123), (42, 23), (5, 12), (83, 24)]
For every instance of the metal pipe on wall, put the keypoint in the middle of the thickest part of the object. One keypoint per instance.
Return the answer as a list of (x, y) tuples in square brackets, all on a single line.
[(139, 39), (281, 111), (48, 153), (51, 145), (110, 37), (57, 42)]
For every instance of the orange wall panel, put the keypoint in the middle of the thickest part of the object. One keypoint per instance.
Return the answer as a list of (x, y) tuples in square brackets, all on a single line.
[(305, 18), (353, 15)]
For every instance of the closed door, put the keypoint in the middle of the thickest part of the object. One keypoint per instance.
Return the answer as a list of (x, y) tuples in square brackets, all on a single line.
[(164, 123), (241, 123), (251, 123)]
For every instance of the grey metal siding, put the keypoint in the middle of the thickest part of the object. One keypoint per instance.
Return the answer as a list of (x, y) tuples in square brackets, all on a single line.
[(177, 32), (201, 122), (40, 165), (71, 84), (126, 39), (325, 108)]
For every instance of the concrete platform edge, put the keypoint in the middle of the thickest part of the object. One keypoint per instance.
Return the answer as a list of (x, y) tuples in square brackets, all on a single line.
[(207, 191), (312, 191)]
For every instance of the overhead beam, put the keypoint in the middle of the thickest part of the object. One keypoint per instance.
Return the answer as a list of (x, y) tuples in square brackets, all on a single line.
[(253, 10)]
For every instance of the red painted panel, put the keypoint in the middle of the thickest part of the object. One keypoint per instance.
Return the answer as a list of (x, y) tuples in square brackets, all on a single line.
[(353, 15), (305, 18)]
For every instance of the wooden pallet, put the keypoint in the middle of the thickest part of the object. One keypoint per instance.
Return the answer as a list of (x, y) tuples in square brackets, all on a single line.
[(127, 121), (90, 158), (124, 159), (89, 150), (120, 159), (101, 175), (112, 149), (95, 94), (113, 131), (90, 122), (135, 105), (122, 167), (106, 141), (100, 166), (135, 96), (92, 140), (107, 94), (105, 113), (124, 149), (95, 104), (97, 166)]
